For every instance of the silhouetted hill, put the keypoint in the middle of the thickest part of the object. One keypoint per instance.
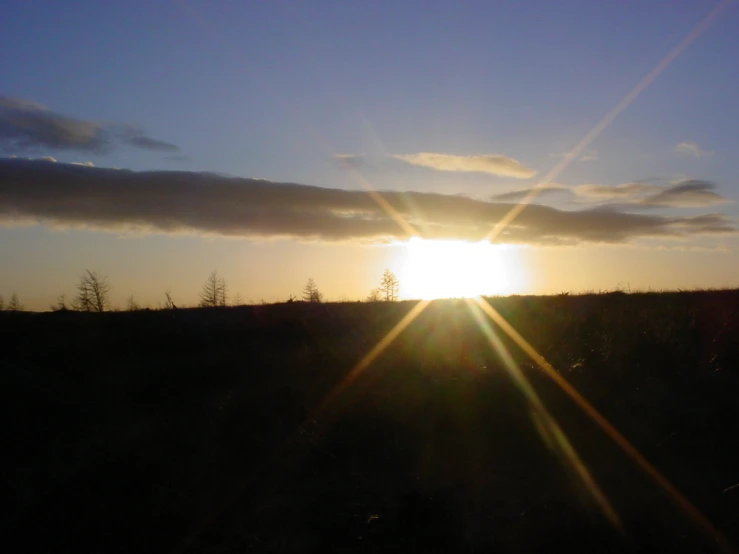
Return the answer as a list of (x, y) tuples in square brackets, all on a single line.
[(228, 430)]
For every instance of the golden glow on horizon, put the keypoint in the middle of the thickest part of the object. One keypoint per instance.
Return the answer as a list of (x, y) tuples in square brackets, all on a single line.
[(458, 269)]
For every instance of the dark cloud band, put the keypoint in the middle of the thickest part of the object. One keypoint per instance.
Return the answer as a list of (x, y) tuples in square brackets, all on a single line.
[(169, 202)]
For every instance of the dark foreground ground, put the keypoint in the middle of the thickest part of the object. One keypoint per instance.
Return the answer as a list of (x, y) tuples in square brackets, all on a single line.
[(200, 430)]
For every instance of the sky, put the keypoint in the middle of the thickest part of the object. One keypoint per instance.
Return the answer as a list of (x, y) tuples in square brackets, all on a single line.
[(154, 142)]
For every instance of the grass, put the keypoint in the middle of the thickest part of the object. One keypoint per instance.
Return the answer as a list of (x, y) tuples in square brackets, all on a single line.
[(199, 430)]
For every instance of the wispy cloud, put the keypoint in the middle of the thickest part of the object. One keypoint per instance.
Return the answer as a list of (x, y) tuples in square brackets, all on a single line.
[(623, 191), (26, 126), (494, 164), (57, 194), (51, 159), (692, 193), (588, 156), (147, 143), (692, 149), (687, 193), (499, 165), (551, 190)]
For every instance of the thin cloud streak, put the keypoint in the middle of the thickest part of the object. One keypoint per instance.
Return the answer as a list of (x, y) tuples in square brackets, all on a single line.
[(498, 165), (588, 156), (551, 190), (692, 149), (64, 195), (502, 166), (689, 193), (148, 143), (26, 126)]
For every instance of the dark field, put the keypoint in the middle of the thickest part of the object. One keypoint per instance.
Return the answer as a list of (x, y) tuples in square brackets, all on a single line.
[(207, 431)]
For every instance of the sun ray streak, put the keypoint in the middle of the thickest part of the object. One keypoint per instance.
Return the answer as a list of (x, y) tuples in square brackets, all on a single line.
[(407, 228), (291, 440), (547, 425), (372, 355), (647, 80), (604, 424)]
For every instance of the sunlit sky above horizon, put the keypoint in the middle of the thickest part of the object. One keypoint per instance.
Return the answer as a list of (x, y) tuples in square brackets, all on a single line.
[(454, 108)]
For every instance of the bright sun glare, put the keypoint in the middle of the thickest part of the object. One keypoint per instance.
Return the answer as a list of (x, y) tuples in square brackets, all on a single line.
[(458, 269)]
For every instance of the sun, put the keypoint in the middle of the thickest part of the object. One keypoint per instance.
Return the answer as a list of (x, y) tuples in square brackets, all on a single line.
[(457, 269)]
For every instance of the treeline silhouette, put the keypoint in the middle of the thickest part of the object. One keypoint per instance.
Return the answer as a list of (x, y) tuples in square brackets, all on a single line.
[(13, 305), (92, 294)]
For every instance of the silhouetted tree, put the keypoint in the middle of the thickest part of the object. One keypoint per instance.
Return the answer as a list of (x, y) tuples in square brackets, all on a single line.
[(14, 305), (92, 293), (2, 303), (169, 303), (131, 304), (214, 291), (238, 300), (311, 292), (389, 286), (61, 304), (374, 296)]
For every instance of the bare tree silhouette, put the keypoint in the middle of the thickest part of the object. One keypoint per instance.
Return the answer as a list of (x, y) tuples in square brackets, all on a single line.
[(14, 305), (61, 304), (389, 286), (2, 303), (169, 303), (93, 293), (374, 296), (311, 292), (131, 304), (214, 292)]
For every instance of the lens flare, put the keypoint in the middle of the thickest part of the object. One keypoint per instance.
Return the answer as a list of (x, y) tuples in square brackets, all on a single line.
[(547, 426), (606, 426), (458, 269)]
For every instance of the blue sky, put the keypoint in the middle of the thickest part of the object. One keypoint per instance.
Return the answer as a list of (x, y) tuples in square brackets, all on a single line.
[(276, 90)]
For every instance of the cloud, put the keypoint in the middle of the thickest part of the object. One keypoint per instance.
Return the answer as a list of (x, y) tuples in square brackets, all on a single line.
[(542, 192), (692, 193), (612, 192), (689, 193), (692, 149), (26, 126), (148, 143), (52, 160), (593, 194), (64, 195), (588, 156), (495, 165)]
